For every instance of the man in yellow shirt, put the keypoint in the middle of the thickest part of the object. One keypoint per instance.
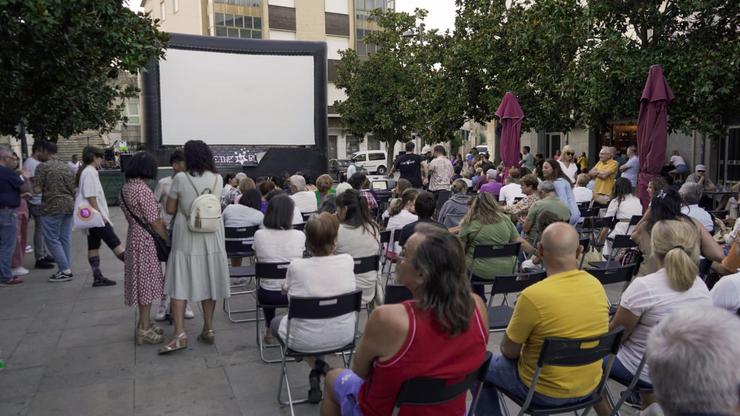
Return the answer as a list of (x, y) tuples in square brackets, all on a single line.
[(604, 174), (570, 303)]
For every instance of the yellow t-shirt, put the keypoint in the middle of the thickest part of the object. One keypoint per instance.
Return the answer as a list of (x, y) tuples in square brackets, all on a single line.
[(605, 186), (571, 304)]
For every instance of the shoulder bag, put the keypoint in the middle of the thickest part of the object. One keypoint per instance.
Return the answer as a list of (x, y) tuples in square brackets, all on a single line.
[(163, 249)]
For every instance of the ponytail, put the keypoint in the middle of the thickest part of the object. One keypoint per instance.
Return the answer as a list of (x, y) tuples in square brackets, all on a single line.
[(681, 269), (676, 246)]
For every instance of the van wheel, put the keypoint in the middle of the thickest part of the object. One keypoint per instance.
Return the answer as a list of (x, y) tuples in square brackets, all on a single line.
[(381, 170)]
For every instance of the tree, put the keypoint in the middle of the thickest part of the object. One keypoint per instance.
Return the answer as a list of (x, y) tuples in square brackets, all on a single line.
[(59, 61)]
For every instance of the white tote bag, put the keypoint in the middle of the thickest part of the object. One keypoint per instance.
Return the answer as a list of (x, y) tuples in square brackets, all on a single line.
[(85, 216)]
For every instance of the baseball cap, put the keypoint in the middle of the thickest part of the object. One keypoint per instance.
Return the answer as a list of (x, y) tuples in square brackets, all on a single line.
[(700, 168)]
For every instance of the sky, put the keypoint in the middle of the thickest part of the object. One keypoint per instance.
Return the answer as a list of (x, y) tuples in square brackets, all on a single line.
[(441, 12)]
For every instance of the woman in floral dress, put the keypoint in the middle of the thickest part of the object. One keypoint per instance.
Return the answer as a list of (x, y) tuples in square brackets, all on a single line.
[(143, 277)]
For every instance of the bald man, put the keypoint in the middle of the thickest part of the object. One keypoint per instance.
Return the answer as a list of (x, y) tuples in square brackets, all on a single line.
[(570, 303)]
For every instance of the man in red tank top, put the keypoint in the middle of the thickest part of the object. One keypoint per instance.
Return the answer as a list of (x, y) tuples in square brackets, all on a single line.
[(407, 340)]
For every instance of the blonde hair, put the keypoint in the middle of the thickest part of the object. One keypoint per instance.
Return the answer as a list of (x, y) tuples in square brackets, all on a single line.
[(568, 149), (246, 184), (324, 183), (676, 247), (483, 208), (399, 204), (582, 179), (459, 186)]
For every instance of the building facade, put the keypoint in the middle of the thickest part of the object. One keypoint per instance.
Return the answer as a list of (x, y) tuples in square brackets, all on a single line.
[(342, 24)]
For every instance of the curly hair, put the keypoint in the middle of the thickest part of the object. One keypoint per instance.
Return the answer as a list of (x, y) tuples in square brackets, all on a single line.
[(199, 158)]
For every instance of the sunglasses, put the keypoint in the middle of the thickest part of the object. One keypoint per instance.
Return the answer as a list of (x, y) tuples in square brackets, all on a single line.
[(569, 153)]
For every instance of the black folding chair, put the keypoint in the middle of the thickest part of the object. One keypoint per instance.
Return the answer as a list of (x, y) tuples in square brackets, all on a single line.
[(614, 275), (367, 264), (397, 294), (631, 386), (588, 211), (429, 392), (238, 243), (633, 222), (317, 309), (621, 241), (585, 243), (307, 215), (276, 271), (565, 352), (500, 315), (592, 226), (484, 251), (299, 227), (387, 254)]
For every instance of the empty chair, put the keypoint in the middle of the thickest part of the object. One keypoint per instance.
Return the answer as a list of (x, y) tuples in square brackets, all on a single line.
[(239, 244), (500, 315), (622, 241)]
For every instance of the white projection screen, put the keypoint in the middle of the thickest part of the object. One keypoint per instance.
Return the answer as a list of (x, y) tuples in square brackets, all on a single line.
[(237, 98)]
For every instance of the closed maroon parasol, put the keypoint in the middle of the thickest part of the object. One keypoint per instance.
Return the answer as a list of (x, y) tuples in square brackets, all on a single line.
[(652, 129), (511, 115)]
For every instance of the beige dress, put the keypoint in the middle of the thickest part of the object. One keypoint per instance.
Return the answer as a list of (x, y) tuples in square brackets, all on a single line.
[(197, 268)]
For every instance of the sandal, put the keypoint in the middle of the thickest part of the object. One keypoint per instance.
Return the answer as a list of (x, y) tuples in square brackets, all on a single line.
[(148, 336), (179, 342), (156, 329), (207, 337)]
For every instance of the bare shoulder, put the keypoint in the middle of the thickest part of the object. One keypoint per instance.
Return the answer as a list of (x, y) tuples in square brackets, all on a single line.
[(390, 316)]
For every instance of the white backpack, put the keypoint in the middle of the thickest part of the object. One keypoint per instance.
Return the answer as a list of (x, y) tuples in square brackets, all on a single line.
[(205, 211)]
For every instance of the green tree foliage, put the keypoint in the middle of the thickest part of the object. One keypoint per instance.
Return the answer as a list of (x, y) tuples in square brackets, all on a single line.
[(59, 60)]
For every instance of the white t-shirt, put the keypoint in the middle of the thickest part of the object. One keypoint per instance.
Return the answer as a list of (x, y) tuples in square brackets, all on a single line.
[(651, 298), (297, 217), (700, 214), (401, 219), (623, 212), (277, 246), (677, 160), (74, 166), (238, 215), (582, 194), (359, 243), (351, 170), (570, 171), (161, 192), (320, 277), (90, 186), (510, 192), (30, 166), (305, 201), (726, 293)]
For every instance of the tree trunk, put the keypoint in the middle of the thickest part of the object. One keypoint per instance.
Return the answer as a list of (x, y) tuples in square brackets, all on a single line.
[(390, 144)]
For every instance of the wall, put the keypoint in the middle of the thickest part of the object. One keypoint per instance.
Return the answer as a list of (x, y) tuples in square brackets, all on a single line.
[(189, 18), (310, 21)]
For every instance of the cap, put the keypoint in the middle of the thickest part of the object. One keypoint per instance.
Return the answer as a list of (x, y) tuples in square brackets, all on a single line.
[(426, 149), (700, 168)]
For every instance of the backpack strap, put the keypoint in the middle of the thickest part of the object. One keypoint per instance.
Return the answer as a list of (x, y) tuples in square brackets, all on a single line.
[(187, 175)]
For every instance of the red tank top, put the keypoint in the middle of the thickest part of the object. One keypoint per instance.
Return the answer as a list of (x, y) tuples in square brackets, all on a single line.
[(426, 352)]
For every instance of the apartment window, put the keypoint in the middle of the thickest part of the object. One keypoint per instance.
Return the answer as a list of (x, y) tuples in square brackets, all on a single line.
[(176, 5), (163, 10), (373, 144), (353, 144), (238, 26), (132, 112), (245, 3), (362, 48)]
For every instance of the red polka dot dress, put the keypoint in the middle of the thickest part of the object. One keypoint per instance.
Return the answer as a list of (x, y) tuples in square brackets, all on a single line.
[(143, 277)]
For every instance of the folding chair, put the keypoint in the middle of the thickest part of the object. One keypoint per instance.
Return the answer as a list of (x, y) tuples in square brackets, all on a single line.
[(592, 227), (569, 353), (614, 275), (500, 315), (275, 271), (633, 222), (387, 254), (365, 265), (397, 294), (317, 308), (299, 227), (307, 215), (585, 243), (588, 211), (428, 392), (631, 384), (483, 251), (238, 243), (620, 241)]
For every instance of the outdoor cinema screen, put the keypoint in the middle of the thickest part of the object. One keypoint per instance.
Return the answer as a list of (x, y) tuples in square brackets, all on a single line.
[(237, 98)]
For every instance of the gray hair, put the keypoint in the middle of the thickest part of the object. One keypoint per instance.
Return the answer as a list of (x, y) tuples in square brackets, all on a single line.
[(546, 187), (241, 175), (691, 193), (693, 361), (298, 182)]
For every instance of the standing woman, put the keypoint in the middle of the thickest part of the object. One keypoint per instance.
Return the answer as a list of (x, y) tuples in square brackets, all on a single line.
[(143, 280), (91, 189), (568, 163), (551, 171), (197, 269)]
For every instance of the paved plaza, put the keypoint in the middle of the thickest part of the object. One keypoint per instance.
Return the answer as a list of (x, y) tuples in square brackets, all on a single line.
[(69, 350)]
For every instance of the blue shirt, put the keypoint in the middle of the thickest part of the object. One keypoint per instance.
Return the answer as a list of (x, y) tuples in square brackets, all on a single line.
[(633, 169), (565, 194), (10, 188)]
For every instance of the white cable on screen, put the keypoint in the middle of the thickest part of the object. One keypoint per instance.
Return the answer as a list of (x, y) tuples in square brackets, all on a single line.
[(236, 99)]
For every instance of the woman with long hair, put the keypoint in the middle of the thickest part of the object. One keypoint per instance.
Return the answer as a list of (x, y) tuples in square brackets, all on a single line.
[(647, 300), (551, 171), (88, 182), (359, 236), (568, 163), (622, 207), (197, 269), (443, 330)]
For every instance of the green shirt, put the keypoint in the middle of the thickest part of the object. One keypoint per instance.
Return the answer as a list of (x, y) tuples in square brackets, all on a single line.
[(551, 204), (497, 234)]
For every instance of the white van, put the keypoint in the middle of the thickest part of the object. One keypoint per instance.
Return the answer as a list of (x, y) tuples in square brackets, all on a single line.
[(373, 161)]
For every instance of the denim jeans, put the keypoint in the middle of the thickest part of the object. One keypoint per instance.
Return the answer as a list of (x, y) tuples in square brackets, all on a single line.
[(58, 234), (503, 373), (39, 245), (8, 230)]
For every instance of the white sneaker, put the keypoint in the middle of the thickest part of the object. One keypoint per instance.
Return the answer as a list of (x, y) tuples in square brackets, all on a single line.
[(29, 249), (20, 271), (188, 312), (162, 310)]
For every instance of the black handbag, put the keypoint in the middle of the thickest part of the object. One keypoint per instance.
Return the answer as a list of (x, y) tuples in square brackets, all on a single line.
[(163, 249)]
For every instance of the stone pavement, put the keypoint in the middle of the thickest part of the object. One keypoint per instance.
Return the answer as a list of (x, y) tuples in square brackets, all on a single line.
[(69, 350)]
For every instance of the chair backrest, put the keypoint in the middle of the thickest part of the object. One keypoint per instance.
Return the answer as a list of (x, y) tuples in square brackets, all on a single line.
[(609, 276), (623, 241), (299, 227), (397, 294), (386, 236), (634, 220), (483, 251), (598, 222), (424, 391), (515, 283), (585, 243), (588, 212), (239, 240), (271, 270), (307, 215), (324, 307), (577, 352), (240, 233), (367, 264)]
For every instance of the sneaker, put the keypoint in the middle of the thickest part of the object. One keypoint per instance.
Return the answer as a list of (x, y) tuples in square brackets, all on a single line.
[(188, 312), (29, 249), (102, 281), (49, 259), (13, 281), (60, 277), (43, 264), (20, 271), (161, 314)]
